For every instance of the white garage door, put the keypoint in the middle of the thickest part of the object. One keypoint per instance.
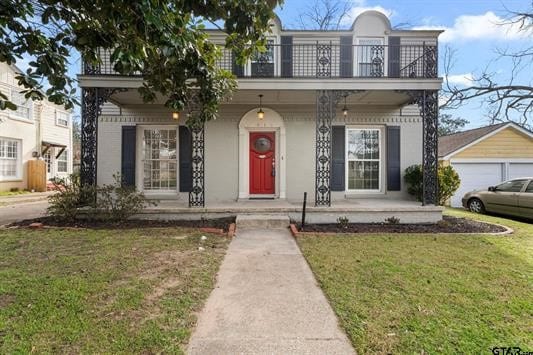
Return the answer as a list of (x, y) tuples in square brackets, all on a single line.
[(518, 170), (476, 176)]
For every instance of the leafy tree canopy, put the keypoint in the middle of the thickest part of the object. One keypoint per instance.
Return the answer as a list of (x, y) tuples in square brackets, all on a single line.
[(165, 40), (450, 125)]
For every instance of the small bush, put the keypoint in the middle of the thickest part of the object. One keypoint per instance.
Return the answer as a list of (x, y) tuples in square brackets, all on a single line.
[(392, 220), (413, 178), (112, 202), (116, 202), (343, 222), (70, 196), (449, 182), (14, 189), (448, 179)]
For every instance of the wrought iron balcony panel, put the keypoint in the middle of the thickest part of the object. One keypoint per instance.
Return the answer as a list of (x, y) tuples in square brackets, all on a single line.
[(320, 60)]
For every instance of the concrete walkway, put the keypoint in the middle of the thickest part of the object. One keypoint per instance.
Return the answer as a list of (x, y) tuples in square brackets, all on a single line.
[(266, 301)]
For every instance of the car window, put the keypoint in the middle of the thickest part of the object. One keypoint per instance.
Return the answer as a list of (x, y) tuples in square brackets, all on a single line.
[(529, 187), (511, 186)]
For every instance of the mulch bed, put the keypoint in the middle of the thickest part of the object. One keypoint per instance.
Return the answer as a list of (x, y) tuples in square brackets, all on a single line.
[(449, 224), (218, 223)]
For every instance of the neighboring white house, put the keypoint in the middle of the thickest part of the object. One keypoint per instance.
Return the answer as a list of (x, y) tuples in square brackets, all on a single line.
[(37, 129), (337, 114)]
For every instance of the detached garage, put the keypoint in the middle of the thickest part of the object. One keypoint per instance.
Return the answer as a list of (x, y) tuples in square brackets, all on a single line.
[(488, 155)]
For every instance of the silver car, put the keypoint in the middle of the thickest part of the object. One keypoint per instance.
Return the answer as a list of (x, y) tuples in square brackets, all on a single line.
[(513, 197)]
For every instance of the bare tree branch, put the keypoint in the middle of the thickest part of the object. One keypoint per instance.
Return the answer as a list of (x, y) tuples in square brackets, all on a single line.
[(324, 15), (508, 101)]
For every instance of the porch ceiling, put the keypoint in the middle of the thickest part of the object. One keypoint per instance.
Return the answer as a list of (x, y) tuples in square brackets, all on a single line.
[(284, 97)]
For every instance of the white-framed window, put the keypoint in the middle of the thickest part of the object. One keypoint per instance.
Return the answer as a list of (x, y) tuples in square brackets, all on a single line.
[(160, 159), (62, 118), (370, 57), (24, 106), (62, 162), (363, 155), (10, 159)]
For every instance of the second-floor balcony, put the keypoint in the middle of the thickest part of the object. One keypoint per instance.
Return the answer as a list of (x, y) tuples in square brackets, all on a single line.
[(321, 60)]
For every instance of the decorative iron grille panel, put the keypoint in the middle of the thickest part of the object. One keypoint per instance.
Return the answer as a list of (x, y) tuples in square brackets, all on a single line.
[(428, 102), (324, 116), (323, 60), (91, 107), (197, 193)]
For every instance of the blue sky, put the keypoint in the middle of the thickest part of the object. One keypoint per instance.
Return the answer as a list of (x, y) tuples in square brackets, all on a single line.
[(471, 30)]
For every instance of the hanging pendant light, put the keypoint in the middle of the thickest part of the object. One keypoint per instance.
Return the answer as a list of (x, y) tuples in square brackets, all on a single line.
[(260, 112), (345, 108)]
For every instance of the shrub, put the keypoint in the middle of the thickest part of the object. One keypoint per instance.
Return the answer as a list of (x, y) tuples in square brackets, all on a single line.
[(343, 222), (70, 196), (116, 202), (448, 179), (392, 220), (112, 202), (413, 178), (449, 182)]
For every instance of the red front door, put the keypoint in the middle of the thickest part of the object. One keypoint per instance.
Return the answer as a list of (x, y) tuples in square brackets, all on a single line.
[(262, 163)]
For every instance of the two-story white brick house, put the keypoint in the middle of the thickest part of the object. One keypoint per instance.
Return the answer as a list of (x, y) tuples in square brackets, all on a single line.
[(36, 130), (336, 114)]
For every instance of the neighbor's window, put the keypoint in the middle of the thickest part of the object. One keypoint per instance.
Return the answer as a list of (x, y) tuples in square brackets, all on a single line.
[(62, 162), (10, 167), (364, 159), (23, 105), (62, 118), (160, 162), (511, 186)]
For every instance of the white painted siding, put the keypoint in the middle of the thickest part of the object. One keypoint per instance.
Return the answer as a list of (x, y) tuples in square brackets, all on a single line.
[(31, 132)]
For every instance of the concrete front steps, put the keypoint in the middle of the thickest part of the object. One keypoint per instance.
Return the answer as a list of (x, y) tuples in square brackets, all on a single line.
[(270, 221)]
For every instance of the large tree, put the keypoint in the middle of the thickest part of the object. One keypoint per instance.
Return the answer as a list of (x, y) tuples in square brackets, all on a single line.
[(508, 99), (165, 40)]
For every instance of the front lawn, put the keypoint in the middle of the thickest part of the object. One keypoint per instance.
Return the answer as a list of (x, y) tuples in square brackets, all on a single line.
[(424, 293), (103, 291)]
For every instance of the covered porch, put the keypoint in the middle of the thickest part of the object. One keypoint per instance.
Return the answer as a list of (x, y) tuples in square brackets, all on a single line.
[(295, 105)]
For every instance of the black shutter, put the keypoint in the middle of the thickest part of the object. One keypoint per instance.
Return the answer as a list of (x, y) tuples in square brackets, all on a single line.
[(346, 62), (286, 56), (337, 159), (394, 57), (127, 171), (238, 70), (185, 155), (393, 159)]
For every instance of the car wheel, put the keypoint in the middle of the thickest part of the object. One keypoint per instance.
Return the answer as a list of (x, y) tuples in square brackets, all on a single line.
[(475, 205)]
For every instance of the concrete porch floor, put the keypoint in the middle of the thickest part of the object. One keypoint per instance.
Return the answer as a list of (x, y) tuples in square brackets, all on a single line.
[(356, 210)]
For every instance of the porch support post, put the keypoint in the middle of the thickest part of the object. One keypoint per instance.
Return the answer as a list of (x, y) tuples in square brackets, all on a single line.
[(325, 112), (90, 106), (197, 193), (92, 100), (428, 102)]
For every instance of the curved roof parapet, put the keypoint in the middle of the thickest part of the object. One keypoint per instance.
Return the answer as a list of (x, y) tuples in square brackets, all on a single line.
[(371, 22)]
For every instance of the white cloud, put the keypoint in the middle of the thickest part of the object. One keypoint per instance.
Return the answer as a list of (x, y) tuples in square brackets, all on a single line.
[(360, 6), (461, 79), (487, 26)]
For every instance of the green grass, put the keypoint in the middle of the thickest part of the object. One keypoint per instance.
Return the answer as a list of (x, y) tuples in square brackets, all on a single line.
[(407, 294), (103, 291)]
